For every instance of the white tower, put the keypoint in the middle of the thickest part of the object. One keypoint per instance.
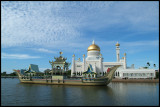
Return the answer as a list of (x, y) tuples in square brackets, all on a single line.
[(73, 65), (100, 63), (118, 51), (84, 62), (125, 64)]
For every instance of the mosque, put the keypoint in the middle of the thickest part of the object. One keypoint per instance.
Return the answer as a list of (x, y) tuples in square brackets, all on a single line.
[(94, 60)]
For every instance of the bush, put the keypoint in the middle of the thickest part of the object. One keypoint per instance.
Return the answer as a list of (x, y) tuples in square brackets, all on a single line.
[(157, 74)]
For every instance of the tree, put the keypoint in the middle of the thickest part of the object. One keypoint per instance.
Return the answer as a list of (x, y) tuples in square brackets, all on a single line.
[(13, 74), (47, 71), (154, 65), (69, 72), (3, 74), (148, 64), (157, 74)]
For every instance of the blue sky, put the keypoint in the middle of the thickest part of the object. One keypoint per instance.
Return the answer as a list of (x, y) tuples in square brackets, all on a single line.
[(33, 32)]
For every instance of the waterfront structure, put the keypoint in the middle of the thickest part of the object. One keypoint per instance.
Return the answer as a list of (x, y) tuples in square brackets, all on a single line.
[(100, 68), (59, 66), (60, 80), (33, 70)]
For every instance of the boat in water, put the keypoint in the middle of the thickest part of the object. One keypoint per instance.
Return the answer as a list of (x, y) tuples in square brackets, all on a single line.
[(60, 80)]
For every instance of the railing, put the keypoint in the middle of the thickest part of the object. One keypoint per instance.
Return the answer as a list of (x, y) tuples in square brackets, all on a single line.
[(9, 76)]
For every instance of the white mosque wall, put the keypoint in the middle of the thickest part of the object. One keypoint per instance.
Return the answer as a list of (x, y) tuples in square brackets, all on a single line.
[(135, 73)]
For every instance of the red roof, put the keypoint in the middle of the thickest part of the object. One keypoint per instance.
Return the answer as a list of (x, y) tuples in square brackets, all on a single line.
[(108, 69)]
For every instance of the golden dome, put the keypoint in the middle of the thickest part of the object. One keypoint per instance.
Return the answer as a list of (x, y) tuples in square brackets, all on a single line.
[(117, 44), (93, 47)]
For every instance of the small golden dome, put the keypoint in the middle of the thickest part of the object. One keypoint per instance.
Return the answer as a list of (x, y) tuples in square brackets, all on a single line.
[(93, 47), (117, 44), (60, 53)]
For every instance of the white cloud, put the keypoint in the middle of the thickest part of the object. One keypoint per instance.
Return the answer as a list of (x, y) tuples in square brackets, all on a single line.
[(18, 56), (45, 50), (55, 23), (42, 69)]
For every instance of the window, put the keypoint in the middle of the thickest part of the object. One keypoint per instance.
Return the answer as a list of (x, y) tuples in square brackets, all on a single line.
[(123, 74), (79, 65), (143, 74)]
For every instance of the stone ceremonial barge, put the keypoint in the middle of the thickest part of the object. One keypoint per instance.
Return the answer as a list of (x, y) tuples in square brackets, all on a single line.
[(59, 80)]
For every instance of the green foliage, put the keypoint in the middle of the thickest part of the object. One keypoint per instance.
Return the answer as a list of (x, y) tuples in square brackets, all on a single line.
[(157, 74), (11, 74), (69, 72), (3, 74), (154, 65), (148, 64), (47, 71), (145, 67)]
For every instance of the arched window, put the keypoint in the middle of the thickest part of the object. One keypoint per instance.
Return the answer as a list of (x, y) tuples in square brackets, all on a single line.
[(58, 67)]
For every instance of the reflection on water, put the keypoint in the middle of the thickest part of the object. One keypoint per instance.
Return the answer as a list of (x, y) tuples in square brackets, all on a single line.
[(15, 93)]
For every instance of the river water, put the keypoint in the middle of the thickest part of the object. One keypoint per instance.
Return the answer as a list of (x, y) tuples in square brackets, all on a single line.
[(14, 93)]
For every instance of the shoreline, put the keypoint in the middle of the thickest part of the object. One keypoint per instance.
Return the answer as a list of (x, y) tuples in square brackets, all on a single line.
[(117, 80), (136, 80)]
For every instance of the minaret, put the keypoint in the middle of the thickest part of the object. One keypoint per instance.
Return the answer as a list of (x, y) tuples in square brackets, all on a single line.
[(73, 65), (100, 63), (118, 51), (84, 63), (125, 64)]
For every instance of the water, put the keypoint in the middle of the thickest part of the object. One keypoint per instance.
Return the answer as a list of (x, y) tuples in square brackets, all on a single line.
[(14, 93)]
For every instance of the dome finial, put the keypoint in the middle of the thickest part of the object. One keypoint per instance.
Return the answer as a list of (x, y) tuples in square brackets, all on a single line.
[(93, 47), (93, 42), (117, 44)]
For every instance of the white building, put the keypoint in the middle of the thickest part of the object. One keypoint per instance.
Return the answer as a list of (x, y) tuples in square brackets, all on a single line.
[(94, 57)]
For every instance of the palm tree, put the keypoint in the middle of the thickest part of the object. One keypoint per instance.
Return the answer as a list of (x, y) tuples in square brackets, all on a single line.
[(148, 64), (47, 71), (154, 65)]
